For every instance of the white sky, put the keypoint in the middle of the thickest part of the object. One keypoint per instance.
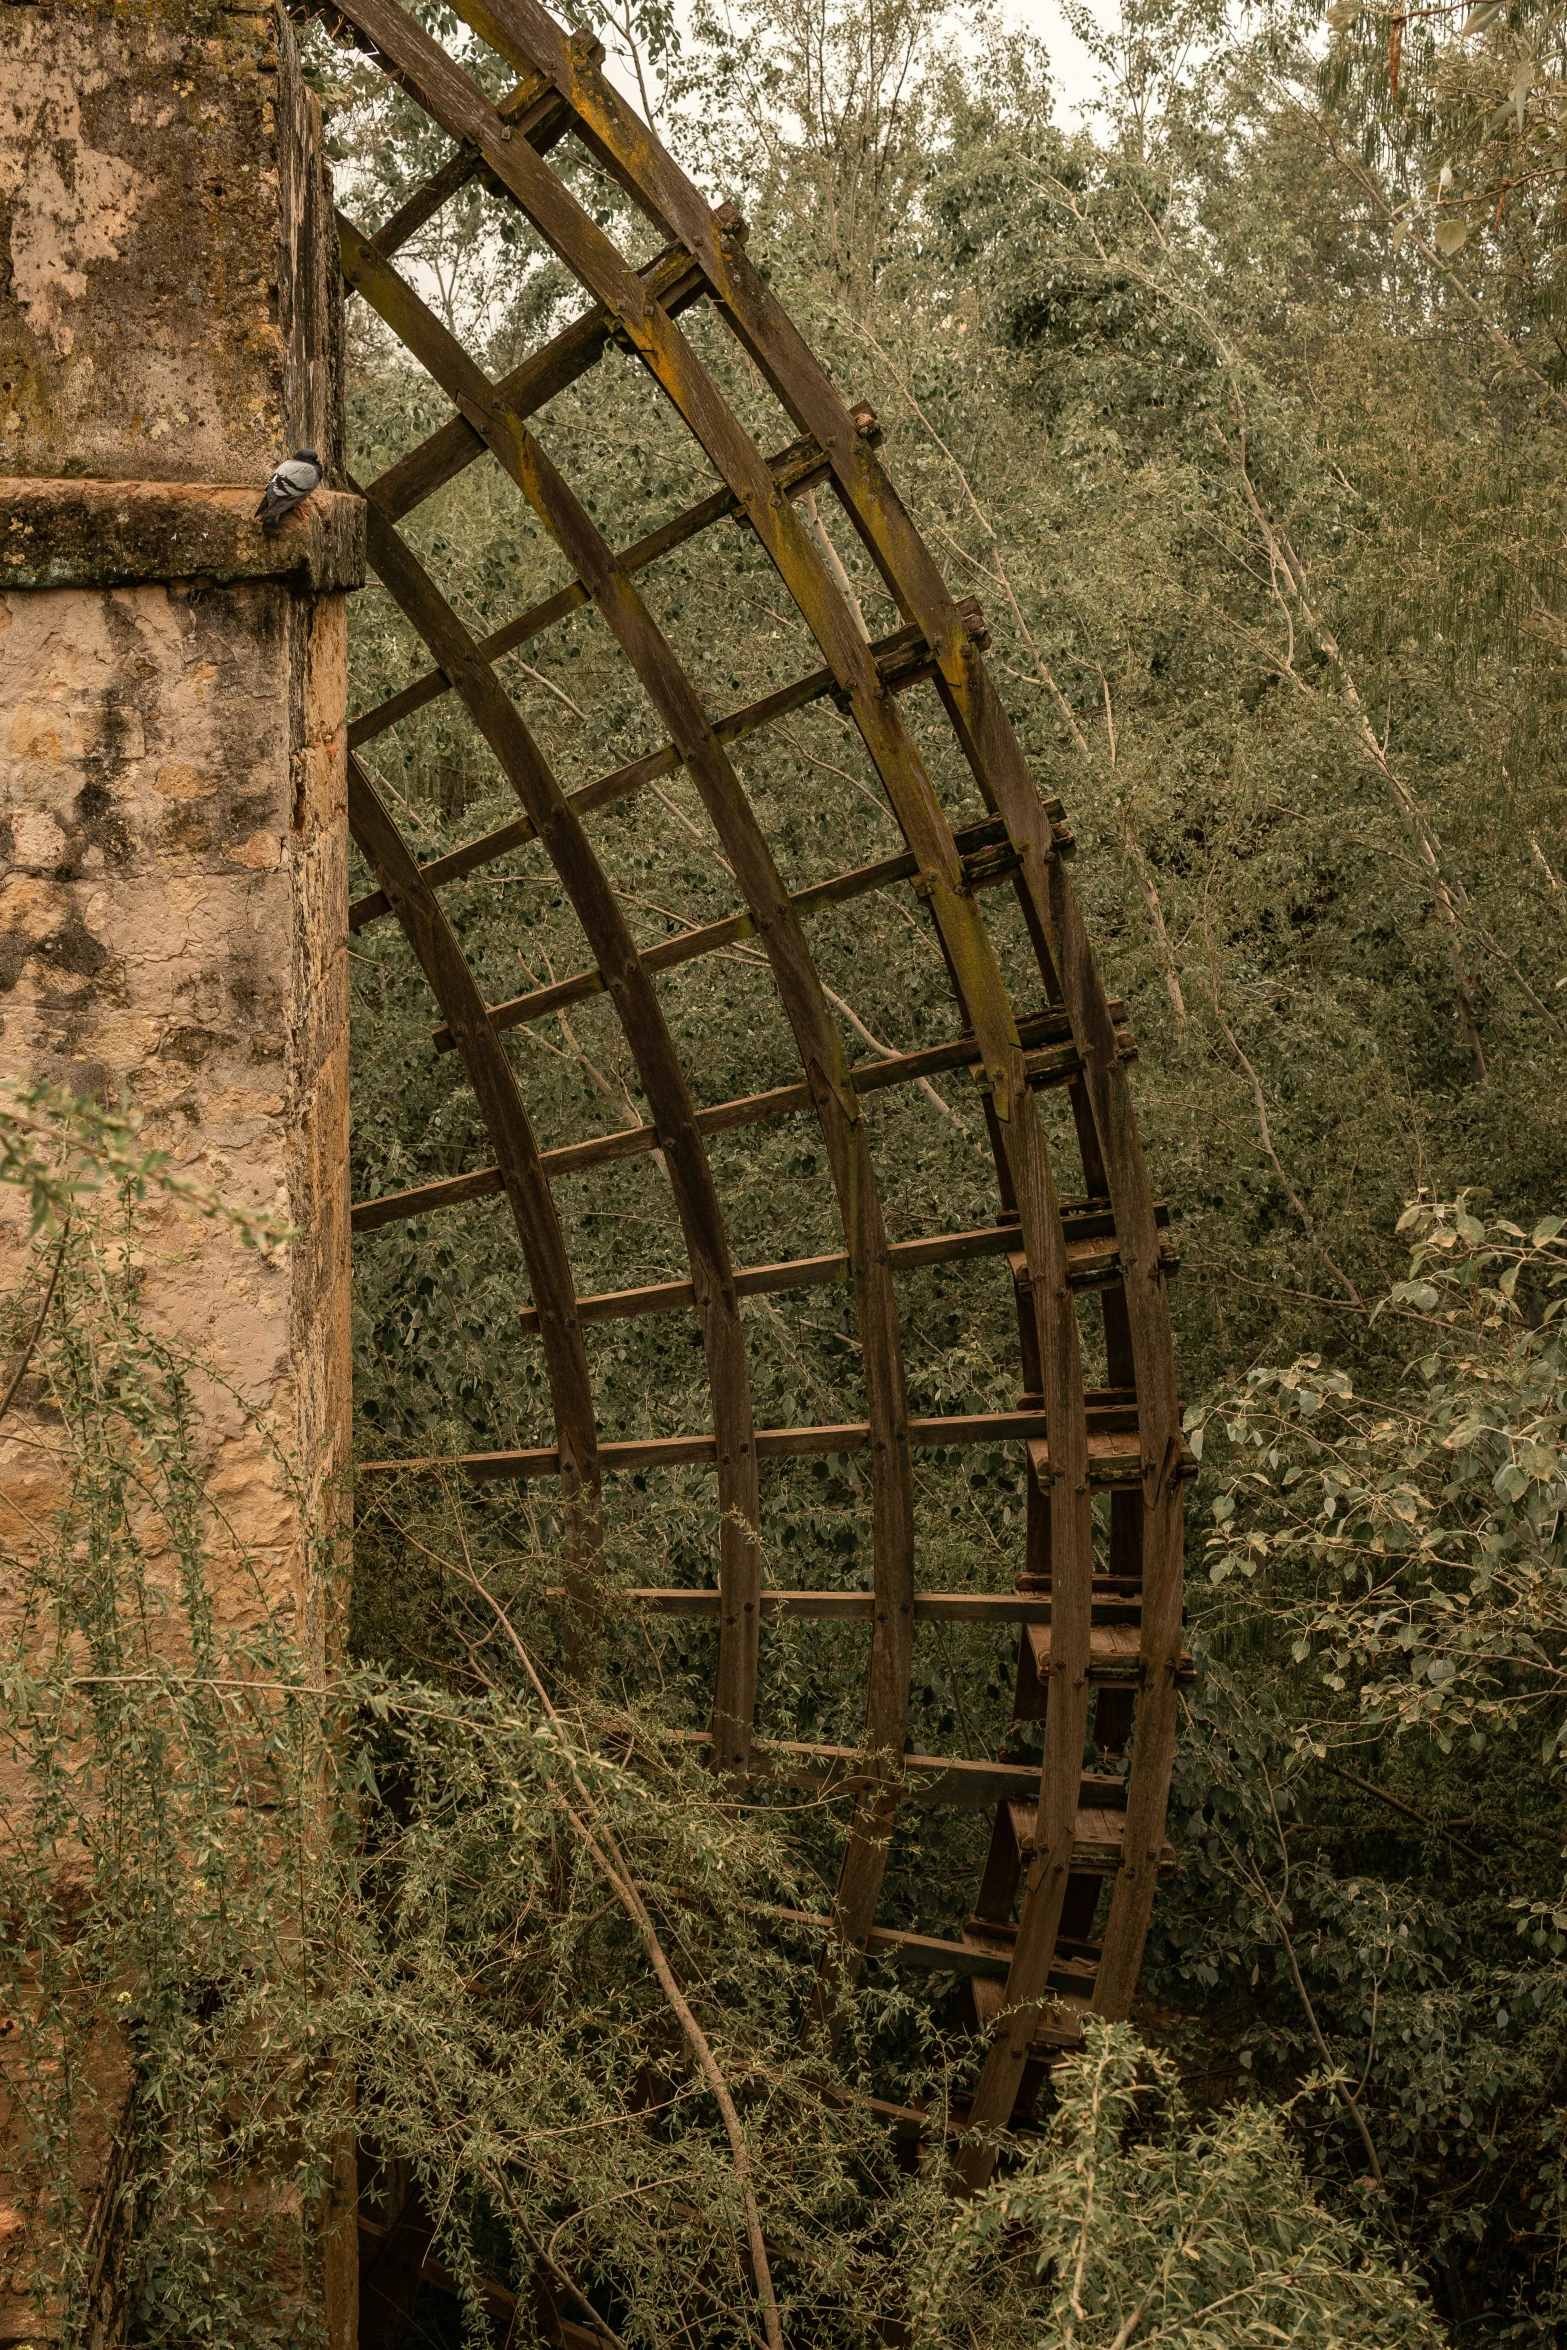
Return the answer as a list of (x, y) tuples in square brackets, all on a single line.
[(1070, 66)]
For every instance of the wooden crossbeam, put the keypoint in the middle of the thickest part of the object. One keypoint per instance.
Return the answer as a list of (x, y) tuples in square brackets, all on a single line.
[(1049, 1061), (988, 857), (1114, 1456), (848, 1607), (1090, 1246), (903, 659)]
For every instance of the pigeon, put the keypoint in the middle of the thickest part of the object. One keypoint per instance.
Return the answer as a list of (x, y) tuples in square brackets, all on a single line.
[(293, 480)]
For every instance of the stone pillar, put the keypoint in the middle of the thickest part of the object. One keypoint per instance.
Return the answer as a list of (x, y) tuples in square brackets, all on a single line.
[(173, 837)]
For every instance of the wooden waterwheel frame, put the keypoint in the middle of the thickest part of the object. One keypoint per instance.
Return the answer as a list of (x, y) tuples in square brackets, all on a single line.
[(1098, 1639)]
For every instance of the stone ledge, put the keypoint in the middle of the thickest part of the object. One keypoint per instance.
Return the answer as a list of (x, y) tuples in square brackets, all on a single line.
[(60, 534)]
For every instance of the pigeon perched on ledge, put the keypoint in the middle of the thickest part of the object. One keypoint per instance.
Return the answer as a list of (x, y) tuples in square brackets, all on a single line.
[(293, 480)]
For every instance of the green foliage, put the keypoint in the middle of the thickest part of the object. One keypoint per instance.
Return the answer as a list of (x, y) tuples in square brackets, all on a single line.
[(64, 1152), (1423, 1530), (162, 1764), (1468, 113), (1371, 1794), (232, 1891), (1133, 2220)]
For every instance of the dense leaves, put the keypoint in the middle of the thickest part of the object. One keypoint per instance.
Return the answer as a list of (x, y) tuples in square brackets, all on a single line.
[(1133, 2221)]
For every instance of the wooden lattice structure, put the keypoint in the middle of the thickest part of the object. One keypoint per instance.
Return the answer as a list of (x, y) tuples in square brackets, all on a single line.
[(1099, 1635)]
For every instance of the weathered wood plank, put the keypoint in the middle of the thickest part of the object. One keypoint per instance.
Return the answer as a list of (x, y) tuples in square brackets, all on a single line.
[(1089, 1260), (1112, 1454)]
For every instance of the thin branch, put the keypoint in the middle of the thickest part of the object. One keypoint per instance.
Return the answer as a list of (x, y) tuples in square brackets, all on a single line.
[(1266, 1131), (1428, 253), (834, 562), (1335, 2073), (706, 846), (1447, 896), (600, 1846), (1396, 1803), (36, 1333), (561, 2277)]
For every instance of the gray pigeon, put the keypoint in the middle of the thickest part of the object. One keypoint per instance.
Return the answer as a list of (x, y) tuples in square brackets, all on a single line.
[(294, 479)]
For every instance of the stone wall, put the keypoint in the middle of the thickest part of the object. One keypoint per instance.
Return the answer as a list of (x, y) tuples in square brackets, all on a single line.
[(170, 281), (173, 837)]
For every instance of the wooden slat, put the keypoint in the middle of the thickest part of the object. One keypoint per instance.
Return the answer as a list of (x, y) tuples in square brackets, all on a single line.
[(1114, 1636), (1098, 1847), (698, 1451), (975, 1958), (1088, 1257), (939, 1780), (834, 1607), (903, 659), (1114, 1620), (450, 1191), (1047, 1064), (1113, 1453), (1024, 1605), (1116, 1649), (665, 1297)]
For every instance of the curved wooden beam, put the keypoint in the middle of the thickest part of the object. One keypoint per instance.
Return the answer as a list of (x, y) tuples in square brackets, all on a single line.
[(604, 925), (774, 920), (521, 1174)]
